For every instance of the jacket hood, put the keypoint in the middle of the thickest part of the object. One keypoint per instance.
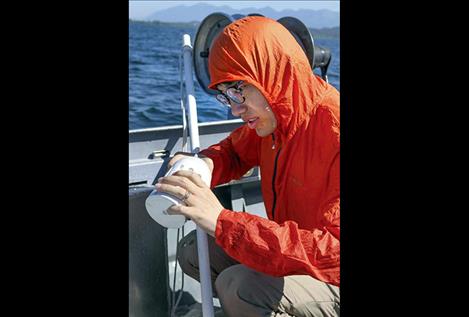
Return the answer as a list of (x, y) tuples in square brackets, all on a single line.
[(263, 53)]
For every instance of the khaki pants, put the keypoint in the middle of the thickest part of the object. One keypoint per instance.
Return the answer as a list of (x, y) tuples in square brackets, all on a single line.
[(245, 292)]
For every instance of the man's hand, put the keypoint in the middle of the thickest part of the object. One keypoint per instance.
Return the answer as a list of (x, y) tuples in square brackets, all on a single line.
[(180, 155), (200, 203)]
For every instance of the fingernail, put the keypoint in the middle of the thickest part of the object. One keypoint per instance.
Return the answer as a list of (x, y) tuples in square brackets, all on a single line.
[(157, 186), (159, 179)]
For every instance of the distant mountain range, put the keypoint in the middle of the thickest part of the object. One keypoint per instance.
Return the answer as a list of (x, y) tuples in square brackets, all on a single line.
[(197, 12)]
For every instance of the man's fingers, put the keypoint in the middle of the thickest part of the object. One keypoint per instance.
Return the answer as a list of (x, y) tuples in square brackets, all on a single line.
[(180, 181), (177, 191), (172, 161), (192, 176), (177, 156), (180, 210)]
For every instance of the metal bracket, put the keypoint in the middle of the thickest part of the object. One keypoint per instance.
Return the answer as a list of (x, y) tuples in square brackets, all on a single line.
[(158, 154)]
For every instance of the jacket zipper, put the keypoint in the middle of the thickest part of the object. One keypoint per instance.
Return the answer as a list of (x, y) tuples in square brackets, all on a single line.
[(273, 178)]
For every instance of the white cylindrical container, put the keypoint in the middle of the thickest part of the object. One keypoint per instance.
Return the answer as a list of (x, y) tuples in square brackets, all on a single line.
[(158, 202)]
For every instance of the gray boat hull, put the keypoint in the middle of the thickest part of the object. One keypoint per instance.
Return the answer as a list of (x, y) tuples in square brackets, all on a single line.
[(152, 248)]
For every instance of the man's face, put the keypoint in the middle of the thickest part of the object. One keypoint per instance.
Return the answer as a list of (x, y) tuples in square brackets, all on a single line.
[(255, 110)]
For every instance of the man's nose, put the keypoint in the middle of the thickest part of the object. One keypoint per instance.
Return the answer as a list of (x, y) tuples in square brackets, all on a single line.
[(238, 109)]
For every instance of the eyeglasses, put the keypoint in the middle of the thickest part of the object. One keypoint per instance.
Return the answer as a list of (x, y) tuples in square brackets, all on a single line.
[(233, 93)]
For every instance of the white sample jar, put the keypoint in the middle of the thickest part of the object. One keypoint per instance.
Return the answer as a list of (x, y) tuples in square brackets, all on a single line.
[(157, 202)]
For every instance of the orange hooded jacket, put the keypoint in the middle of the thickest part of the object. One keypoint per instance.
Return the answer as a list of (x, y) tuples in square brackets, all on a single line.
[(299, 163)]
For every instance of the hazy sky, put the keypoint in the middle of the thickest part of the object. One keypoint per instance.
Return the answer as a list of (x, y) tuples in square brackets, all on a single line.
[(142, 9)]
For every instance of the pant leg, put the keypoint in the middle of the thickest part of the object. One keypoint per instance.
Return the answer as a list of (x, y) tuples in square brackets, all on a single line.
[(245, 292), (189, 260)]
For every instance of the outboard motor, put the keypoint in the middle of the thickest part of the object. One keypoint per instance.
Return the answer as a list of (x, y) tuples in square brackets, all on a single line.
[(213, 24)]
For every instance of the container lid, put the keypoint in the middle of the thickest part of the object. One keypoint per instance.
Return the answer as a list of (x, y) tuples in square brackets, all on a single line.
[(156, 205)]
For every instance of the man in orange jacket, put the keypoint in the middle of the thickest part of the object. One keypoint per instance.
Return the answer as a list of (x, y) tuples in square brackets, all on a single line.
[(288, 264)]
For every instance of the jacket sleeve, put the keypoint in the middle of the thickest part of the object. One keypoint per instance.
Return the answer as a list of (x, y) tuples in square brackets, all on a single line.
[(233, 156), (282, 249)]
